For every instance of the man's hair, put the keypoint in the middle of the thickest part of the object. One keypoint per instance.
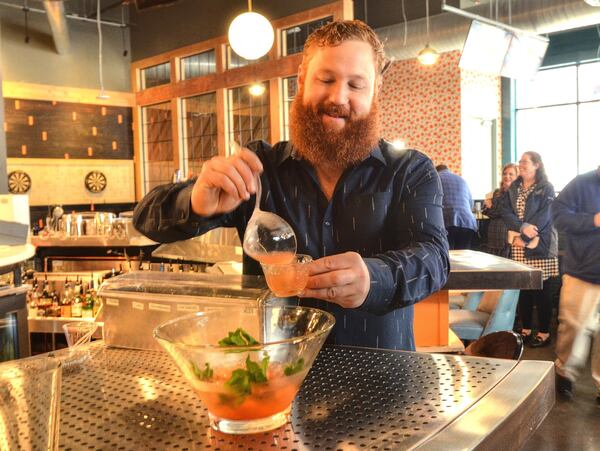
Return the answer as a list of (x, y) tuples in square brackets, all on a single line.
[(441, 167), (334, 33)]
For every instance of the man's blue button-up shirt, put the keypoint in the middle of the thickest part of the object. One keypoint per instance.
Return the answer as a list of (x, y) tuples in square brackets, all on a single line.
[(388, 208)]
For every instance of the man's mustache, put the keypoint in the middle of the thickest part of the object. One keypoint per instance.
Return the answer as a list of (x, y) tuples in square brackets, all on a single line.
[(334, 110)]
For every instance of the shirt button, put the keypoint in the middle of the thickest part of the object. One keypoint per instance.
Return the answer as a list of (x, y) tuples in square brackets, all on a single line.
[(327, 223)]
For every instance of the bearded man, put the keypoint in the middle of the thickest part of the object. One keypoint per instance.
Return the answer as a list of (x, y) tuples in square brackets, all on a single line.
[(370, 215)]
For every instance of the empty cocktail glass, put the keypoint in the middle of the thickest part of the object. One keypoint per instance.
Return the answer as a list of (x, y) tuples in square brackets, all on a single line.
[(79, 332)]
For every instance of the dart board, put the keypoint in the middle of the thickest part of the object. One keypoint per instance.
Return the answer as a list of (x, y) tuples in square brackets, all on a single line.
[(19, 182), (95, 181)]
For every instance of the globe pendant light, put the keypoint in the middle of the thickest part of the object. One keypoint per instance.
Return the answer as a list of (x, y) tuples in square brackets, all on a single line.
[(251, 34), (428, 55), (257, 89)]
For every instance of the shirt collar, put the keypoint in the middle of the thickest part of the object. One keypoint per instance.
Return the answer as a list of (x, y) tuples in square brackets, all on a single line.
[(289, 152)]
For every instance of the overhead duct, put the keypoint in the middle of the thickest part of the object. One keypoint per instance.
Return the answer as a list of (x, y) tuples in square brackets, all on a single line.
[(448, 31), (55, 10)]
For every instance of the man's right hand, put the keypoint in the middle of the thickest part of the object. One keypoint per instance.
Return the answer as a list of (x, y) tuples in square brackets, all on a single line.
[(597, 219), (224, 182)]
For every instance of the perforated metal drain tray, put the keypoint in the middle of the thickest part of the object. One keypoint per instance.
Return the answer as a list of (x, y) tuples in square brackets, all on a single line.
[(353, 398)]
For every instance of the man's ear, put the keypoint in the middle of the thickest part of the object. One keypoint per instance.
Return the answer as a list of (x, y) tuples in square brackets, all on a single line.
[(301, 74), (378, 84)]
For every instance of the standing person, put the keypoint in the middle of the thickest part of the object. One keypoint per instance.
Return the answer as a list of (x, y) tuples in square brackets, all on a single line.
[(534, 242), (576, 212), (458, 209), (496, 242), (369, 214)]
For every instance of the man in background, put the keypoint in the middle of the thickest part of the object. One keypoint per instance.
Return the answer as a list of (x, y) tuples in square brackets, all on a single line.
[(576, 213), (458, 210)]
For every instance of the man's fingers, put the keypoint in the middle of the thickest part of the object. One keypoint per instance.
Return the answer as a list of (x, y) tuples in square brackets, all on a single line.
[(331, 279), (328, 264), (222, 182), (251, 159), (332, 294), (232, 174)]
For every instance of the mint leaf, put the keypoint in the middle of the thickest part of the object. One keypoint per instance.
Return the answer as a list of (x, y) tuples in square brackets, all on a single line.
[(203, 375), (239, 382), (294, 368), (257, 371), (238, 338)]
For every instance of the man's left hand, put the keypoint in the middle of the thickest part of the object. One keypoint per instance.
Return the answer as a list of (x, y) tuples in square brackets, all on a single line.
[(342, 279)]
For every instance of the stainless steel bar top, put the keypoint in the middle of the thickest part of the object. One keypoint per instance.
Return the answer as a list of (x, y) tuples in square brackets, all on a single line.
[(473, 270), (91, 241), (352, 398)]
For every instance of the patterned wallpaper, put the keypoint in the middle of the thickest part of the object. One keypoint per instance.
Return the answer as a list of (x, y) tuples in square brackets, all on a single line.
[(420, 105)]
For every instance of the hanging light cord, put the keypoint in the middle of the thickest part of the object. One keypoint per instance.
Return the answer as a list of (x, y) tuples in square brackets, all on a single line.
[(250, 5), (123, 34), (405, 23), (510, 12), (427, 19), (99, 47)]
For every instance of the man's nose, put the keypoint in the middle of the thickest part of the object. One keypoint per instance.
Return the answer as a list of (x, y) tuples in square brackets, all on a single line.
[(338, 94)]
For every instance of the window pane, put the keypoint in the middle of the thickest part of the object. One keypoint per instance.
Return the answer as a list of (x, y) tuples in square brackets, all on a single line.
[(290, 86), (293, 38), (156, 75), (559, 148), (589, 82), (198, 65), (248, 115), (589, 136), (199, 130), (234, 60), (157, 161), (549, 87)]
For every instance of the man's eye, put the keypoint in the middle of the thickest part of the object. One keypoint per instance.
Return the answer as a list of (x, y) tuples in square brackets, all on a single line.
[(326, 80), (356, 86)]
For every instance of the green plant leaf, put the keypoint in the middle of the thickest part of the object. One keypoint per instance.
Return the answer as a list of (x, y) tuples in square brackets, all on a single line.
[(238, 338), (258, 371), (294, 368), (203, 375)]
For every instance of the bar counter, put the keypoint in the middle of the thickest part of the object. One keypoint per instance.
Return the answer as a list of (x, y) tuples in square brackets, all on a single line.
[(352, 398)]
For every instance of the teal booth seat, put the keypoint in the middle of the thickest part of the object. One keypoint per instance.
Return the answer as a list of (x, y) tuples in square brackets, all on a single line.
[(484, 312)]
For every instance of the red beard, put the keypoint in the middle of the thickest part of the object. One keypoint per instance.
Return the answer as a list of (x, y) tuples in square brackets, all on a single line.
[(339, 149)]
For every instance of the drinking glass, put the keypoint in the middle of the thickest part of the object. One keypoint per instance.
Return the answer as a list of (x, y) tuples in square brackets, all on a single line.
[(288, 278), (79, 332), (30, 403)]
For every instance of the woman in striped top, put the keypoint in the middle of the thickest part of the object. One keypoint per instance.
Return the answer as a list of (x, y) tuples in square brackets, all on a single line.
[(526, 212)]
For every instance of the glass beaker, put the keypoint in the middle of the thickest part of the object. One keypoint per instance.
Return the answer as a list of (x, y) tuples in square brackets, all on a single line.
[(30, 403), (79, 332)]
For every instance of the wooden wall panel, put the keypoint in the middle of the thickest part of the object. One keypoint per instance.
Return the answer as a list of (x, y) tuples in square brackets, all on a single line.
[(50, 129)]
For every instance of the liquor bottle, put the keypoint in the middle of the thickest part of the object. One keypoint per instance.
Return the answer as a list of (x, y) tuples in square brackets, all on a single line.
[(77, 303), (33, 299), (65, 307), (54, 309), (87, 308), (96, 299), (44, 300)]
